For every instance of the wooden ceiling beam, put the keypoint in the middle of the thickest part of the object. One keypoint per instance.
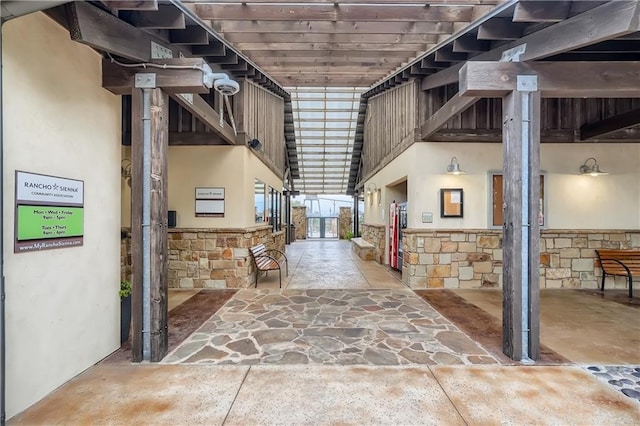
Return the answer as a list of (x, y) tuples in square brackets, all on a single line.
[(329, 69), (612, 46), (191, 35), (121, 80), (609, 125), (555, 79), (249, 47), (267, 12), (380, 2), (324, 81), (470, 44), (214, 48), (131, 4), (360, 27), (166, 17), (307, 37), (325, 61), (446, 54), (286, 54), (371, 73), (94, 27), (500, 29), (541, 11), (608, 21)]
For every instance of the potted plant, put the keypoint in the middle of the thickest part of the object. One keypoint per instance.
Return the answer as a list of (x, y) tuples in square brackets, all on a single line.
[(125, 310)]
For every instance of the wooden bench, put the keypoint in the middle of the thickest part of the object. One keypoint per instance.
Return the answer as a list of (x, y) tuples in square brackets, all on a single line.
[(624, 263), (269, 260)]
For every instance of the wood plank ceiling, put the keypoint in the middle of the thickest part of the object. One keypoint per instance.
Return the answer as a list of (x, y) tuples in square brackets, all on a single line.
[(336, 42), (326, 53)]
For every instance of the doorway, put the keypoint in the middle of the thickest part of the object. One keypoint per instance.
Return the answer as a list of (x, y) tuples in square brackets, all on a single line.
[(322, 227)]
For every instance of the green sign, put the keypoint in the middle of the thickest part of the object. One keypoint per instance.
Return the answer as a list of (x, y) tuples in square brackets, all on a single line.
[(42, 222)]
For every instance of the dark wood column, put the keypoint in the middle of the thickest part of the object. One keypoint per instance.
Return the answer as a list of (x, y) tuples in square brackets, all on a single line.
[(159, 136), (521, 230), (158, 226)]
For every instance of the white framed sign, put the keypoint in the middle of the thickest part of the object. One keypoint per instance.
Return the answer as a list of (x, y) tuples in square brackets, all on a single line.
[(32, 188), (209, 202)]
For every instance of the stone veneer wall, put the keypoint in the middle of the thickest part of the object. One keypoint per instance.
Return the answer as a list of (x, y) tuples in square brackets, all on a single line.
[(344, 221), (375, 234), (299, 217), (473, 258), (210, 258), (217, 258)]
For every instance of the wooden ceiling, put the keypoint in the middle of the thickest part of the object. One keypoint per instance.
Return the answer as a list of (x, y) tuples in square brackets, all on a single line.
[(336, 42)]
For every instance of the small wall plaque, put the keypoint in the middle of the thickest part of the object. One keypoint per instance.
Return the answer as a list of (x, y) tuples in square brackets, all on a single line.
[(209, 202)]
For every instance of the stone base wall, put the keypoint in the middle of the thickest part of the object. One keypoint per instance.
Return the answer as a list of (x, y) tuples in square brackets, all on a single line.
[(345, 221), (299, 218), (375, 234), (473, 258), (210, 258), (217, 258)]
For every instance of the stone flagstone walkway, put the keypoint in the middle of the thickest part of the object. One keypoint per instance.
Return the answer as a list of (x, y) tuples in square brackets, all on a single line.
[(340, 327)]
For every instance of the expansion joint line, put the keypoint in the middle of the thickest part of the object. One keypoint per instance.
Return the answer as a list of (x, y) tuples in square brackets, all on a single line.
[(236, 395)]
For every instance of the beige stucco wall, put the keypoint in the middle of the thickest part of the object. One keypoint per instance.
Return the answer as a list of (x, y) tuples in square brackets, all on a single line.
[(231, 167), (62, 305), (572, 201)]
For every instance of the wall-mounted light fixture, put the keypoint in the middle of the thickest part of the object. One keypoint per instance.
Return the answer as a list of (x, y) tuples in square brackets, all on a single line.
[(454, 168), (255, 144), (371, 188), (591, 170), (125, 171)]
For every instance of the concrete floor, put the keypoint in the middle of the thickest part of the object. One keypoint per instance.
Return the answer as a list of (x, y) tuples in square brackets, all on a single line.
[(581, 327), (373, 394)]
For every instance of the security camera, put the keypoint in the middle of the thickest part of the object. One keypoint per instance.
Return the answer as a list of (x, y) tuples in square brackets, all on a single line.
[(226, 86), (221, 82), (255, 144)]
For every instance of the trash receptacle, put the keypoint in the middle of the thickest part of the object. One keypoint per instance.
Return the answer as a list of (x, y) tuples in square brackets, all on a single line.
[(292, 232)]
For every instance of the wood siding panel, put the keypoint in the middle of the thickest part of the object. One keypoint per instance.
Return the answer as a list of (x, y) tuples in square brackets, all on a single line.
[(262, 118), (561, 118), (390, 125)]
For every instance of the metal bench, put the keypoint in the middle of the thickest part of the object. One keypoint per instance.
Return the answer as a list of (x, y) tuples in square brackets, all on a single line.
[(624, 263), (269, 260)]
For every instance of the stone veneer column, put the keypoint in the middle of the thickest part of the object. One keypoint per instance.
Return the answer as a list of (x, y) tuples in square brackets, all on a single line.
[(299, 218), (345, 220)]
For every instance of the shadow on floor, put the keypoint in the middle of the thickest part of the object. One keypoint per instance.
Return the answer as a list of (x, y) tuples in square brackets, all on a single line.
[(183, 320), (480, 326)]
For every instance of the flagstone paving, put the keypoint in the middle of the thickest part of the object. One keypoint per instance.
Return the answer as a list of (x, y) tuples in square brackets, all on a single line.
[(342, 327)]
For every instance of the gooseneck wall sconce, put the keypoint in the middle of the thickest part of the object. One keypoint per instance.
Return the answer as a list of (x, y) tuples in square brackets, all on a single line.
[(591, 170), (454, 168)]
